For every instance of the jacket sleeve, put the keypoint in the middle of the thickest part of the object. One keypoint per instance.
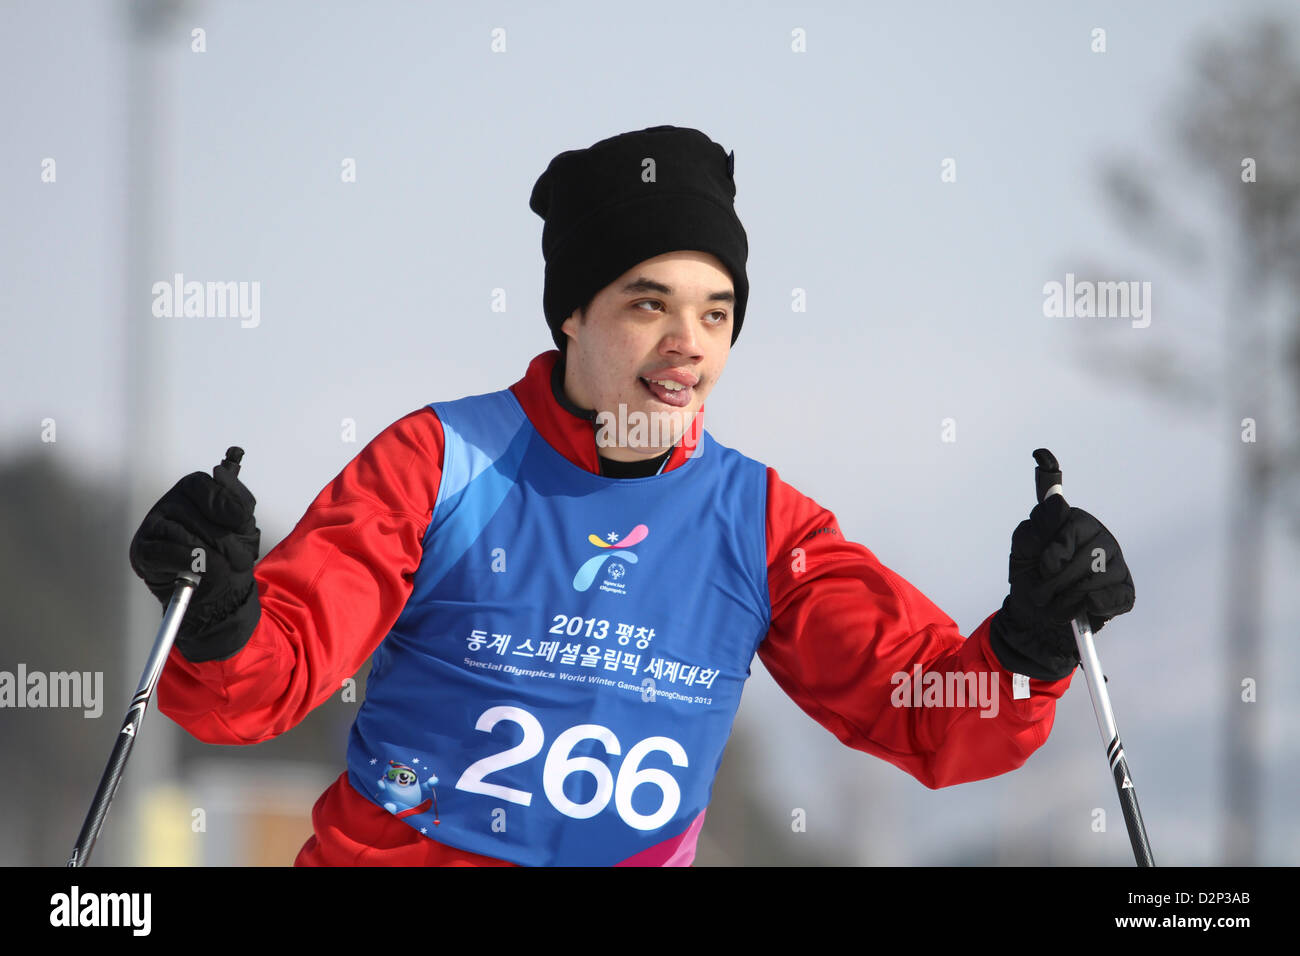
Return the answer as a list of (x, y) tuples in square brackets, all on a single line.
[(846, 640), (329, 594)]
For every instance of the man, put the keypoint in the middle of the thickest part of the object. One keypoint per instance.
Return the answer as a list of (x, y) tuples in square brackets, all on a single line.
[(564, 583)]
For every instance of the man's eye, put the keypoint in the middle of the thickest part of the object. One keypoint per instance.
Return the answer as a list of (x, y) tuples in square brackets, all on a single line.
[(718, 315)]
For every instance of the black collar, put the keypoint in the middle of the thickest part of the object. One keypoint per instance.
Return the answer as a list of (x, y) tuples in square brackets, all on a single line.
[(557, 389)]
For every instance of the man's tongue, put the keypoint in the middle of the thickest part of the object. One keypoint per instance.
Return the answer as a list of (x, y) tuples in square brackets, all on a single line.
[(679, 398)]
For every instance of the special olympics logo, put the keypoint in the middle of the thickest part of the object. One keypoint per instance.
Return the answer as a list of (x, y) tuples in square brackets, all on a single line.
[(591, 567)]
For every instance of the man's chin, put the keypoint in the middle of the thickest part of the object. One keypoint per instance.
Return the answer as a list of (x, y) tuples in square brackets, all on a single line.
[(646, 429)]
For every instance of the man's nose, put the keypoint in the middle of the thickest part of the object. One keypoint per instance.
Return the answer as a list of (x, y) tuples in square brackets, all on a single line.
[(682, 334)]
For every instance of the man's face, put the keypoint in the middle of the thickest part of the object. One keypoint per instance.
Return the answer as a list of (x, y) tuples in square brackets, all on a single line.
[(668, 318)]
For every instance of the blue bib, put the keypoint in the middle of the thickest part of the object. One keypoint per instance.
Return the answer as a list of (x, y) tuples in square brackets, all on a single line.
[(562, 681)]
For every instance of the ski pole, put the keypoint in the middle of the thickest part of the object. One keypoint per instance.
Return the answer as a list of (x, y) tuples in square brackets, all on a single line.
[(1047, 482), (186, 583)]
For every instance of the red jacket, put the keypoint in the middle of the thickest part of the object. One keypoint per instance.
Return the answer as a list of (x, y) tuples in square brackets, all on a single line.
[(842, 626)]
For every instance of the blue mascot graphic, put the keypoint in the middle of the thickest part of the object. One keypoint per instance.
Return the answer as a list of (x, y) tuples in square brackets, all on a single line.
[(405, 794)]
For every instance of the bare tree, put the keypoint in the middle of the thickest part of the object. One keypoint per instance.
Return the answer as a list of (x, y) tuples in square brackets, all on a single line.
[(1236, 128)]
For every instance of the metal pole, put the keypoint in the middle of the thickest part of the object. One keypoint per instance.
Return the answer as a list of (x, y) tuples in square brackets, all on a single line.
[(186, 582), (1047, 481)]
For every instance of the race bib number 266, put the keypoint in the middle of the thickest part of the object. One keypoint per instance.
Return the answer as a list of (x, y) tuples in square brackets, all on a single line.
[(559, 765)]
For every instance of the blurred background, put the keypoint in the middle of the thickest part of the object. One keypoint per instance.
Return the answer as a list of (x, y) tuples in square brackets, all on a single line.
[(911, 177)]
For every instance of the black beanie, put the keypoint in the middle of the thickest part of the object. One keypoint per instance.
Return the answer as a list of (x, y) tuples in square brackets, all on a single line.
[(602, 218)]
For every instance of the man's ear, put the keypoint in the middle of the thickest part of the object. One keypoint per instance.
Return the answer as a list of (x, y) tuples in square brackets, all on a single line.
[(569, 325)]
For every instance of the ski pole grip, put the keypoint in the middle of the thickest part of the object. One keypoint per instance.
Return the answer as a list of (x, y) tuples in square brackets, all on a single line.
[(234, 455), (1047, 476)]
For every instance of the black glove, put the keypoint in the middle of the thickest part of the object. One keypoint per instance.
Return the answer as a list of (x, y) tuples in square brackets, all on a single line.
[(216, 515), (1051, 580)]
